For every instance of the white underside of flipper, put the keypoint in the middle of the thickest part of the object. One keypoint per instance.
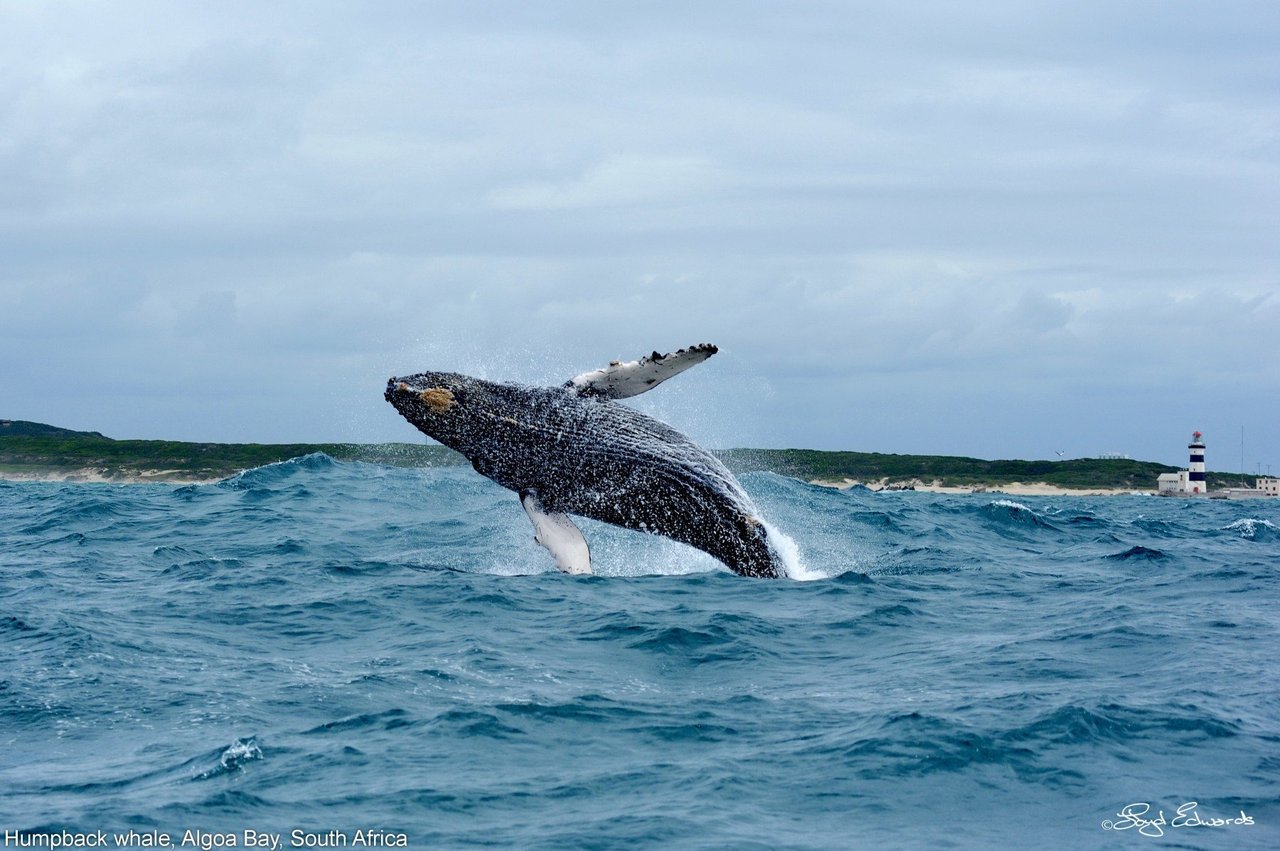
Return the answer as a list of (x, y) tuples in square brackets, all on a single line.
[(622, 380), (559, 535)]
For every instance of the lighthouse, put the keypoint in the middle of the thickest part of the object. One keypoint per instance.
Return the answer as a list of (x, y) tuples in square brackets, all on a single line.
[(1188, 482), (1195, 469)]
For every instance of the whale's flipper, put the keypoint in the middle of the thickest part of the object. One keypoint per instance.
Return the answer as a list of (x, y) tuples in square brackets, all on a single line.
[(558, 534), (620, 380)]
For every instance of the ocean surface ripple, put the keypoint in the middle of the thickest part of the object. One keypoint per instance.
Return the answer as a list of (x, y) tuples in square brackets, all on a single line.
[(324, 645)]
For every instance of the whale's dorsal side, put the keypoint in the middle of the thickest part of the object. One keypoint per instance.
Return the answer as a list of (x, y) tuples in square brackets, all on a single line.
[(560, 535), (623, 380)]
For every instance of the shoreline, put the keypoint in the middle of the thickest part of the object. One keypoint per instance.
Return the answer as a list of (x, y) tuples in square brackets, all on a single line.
[(44, 453), (102, 476), (1008, 488)]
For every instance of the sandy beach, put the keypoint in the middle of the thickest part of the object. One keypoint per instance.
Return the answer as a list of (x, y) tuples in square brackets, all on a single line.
[(1011, 488), (98, 475)]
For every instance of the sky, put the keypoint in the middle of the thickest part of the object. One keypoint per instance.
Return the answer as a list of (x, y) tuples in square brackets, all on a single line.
[(1000, 229)]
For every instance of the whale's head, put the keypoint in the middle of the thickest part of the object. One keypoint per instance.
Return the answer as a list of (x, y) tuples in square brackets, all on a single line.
[(438, 403), (469, 415)]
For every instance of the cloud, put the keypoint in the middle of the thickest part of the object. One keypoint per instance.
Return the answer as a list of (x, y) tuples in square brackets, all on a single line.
[(619, 181), (930, 228)]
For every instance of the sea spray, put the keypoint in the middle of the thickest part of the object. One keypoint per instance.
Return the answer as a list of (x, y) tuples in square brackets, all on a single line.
[(789, 552)]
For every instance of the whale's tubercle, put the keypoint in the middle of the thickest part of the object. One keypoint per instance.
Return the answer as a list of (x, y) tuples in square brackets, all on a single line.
[(438, 399)]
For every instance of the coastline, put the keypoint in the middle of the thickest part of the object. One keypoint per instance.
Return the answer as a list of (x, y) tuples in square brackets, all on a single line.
[(35, 452), (104, 476), (101, 476), (1008, 488)]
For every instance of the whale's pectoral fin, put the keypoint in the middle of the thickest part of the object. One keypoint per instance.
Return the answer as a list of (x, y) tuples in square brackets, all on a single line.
[(620, 380), (558, 534)]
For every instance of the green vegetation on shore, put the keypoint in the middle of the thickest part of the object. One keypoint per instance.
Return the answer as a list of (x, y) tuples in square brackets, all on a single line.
[(39, 450), (167, 459), (948, 470)]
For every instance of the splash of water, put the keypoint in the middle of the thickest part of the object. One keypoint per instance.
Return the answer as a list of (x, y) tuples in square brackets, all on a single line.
[(789, 551)]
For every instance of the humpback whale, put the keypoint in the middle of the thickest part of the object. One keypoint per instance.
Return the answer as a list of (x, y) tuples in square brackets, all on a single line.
[(574, 449)]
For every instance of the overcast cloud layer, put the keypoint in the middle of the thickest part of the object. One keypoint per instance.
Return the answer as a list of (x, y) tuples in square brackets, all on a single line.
[(1004, 229)]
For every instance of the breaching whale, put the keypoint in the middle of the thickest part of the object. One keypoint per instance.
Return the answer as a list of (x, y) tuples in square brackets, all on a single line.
[(574, 449)]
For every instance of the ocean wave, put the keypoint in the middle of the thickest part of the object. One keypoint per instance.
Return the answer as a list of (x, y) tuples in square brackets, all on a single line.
[(389, 719), (1008, 512), (1073, 724), (269, 475), (1139, 553), (483, 724), (233, 758), (586, 709), (1254, 529), (336, 644), (722, 639)]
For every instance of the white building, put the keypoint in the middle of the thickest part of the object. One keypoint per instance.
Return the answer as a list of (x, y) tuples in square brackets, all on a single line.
[(1262, 487)]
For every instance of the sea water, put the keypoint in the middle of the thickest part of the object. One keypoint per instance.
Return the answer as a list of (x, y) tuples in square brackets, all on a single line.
[(324, 652)]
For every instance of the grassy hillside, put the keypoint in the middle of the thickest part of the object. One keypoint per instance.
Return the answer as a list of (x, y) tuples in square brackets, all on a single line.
[(39, 449), (949, 470), (22, 428), (128, 458)]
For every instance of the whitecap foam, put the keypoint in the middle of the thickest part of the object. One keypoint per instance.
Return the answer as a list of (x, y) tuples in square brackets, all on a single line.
[(1249, 527), (240, 752), (232, 758)]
